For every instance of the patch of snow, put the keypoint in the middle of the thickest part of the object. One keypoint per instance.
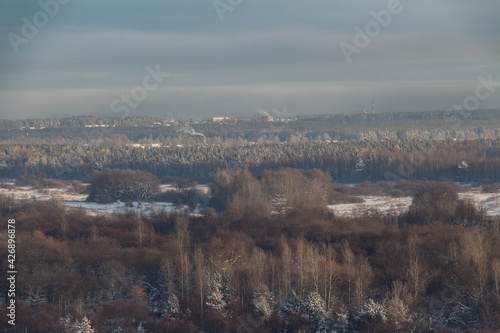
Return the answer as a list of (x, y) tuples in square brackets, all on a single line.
[(115, 207), (376, 204), (71, 199), (490, 202)]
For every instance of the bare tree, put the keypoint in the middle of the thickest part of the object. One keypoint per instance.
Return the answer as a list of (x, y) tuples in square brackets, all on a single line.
[(350, 268), (140, 232), (474, 252), (183, 238), (257, 268), (331, 274), (199, 280), (397, 307), (495, 266), (417, 275), (313, 259), (364, 277), (286, 268), (300, 258), (167, 275)]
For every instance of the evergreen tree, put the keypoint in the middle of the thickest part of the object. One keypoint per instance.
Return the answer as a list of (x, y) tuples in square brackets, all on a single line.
[(215, 294), (263, 301), (83, 326), (292, 304), (172, 307), (342, 323), (316, 311), (140, 329), (370, 314), (315, 305)]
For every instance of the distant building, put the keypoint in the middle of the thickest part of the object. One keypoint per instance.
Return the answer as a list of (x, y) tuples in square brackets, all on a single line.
[(220, 119)]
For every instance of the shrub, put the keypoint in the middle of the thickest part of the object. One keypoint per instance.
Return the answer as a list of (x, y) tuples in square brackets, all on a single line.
[(78, 187), (488, 185), (438, 202), (125, 185)]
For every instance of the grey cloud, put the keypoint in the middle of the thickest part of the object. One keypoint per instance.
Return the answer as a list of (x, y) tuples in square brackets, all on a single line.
[(263, 54), (241, 101)]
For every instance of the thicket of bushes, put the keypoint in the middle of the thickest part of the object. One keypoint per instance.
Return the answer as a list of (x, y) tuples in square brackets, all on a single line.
[(125, 185)]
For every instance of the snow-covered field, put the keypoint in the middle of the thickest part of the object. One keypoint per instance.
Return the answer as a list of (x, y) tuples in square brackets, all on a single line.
[(72, 199), (120, 207), (376, 204), (490, 202), (28, 192)]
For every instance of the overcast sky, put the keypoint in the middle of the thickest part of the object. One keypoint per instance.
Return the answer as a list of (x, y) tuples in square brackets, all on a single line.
[(258, 54)]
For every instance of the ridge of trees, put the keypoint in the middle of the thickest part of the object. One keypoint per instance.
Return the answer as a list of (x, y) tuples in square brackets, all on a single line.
[(105, 131), (350, 162)]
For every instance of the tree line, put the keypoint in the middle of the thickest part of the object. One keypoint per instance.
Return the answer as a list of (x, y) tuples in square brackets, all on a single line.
[(343, 127), (350, 162)]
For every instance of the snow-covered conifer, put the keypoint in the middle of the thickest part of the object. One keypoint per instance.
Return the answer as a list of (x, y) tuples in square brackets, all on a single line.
[(372, 310), (83, 326), (263, 301), (316, 312), (315, 305), (172, 307), (291, 304), (140, 329), (215, 294)]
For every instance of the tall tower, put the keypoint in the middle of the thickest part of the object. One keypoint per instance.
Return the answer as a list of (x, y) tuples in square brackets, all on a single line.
[(373, 109), (364, 113)]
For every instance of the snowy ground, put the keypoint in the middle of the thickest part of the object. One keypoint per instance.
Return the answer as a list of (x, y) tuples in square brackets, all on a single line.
[(120, 207), (378, 204), (28, 192), (490, 202), (72, 199), (205, 189)]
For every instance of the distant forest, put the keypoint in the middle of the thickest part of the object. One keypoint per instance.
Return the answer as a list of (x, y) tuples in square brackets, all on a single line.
[(236, 132), (462, 146), (353, 161)]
